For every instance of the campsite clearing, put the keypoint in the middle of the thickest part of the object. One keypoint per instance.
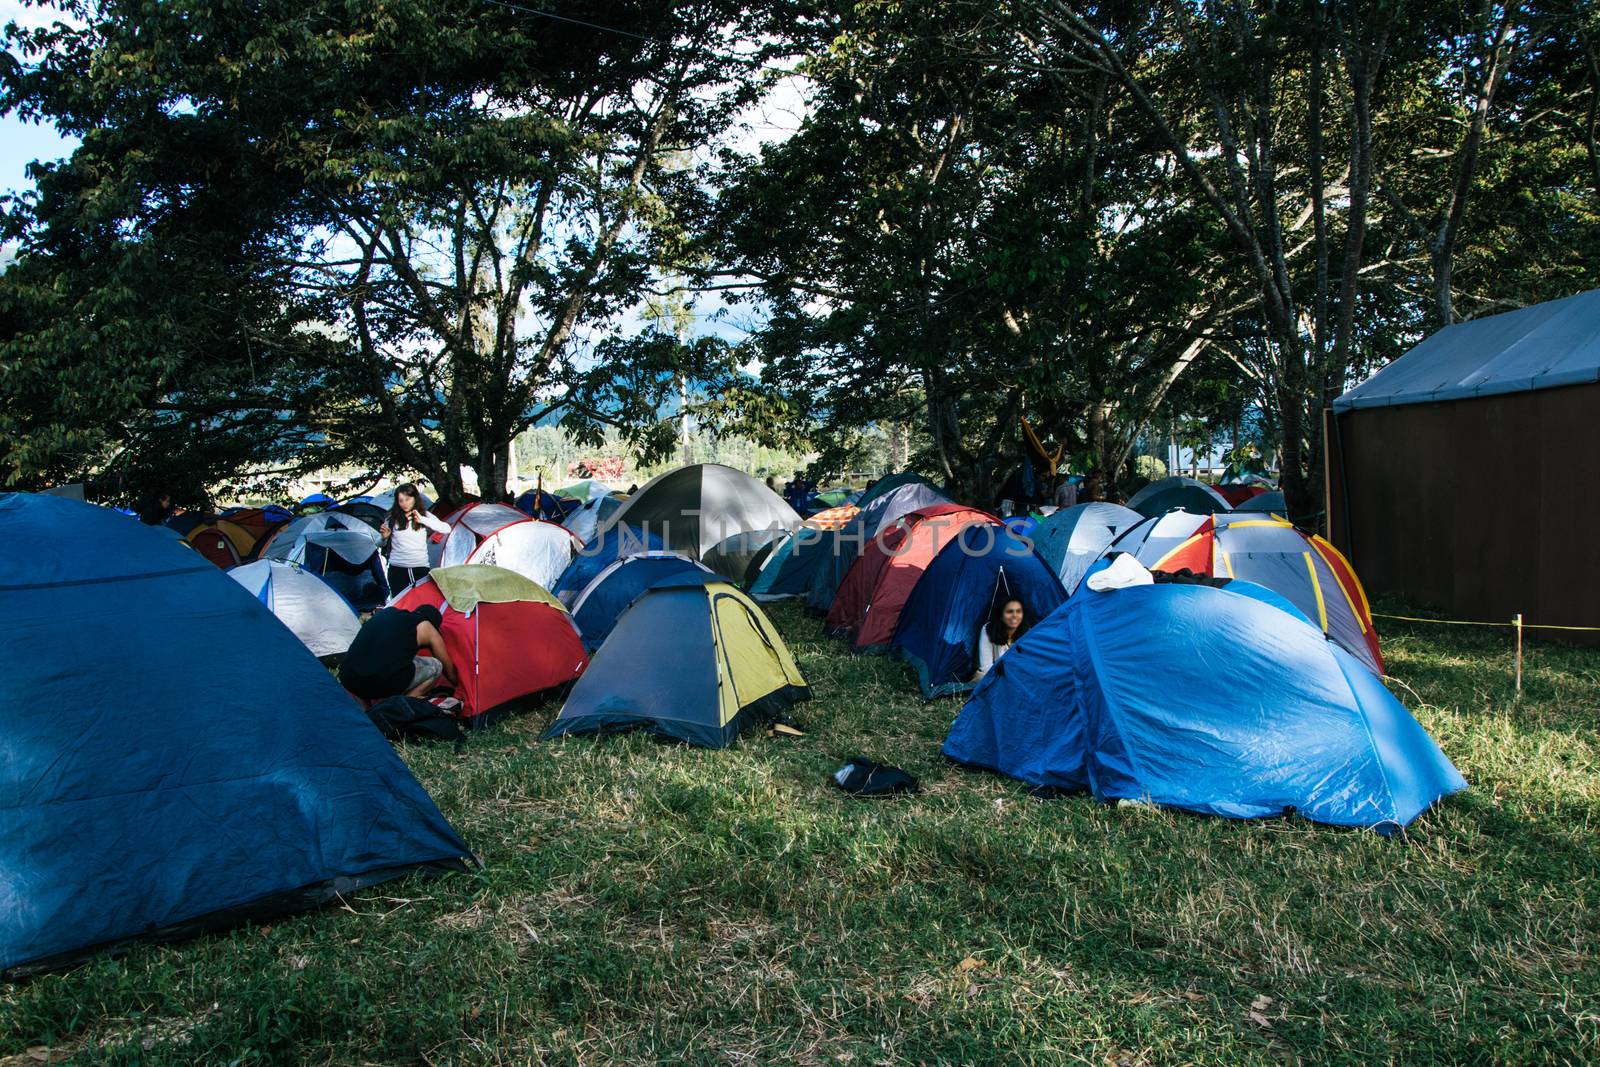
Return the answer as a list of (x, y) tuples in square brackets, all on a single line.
[(643, 901)]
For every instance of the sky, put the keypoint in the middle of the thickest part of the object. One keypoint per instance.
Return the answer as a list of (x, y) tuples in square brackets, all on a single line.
[(23, 142)]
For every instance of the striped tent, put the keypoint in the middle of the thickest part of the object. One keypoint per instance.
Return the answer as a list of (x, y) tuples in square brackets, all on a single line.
[(1299, 566)]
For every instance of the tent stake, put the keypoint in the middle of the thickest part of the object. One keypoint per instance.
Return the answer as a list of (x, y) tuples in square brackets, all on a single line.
[(1516, 624)]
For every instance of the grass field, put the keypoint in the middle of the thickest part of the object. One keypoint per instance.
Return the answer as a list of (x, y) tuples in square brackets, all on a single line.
[(645, 903)]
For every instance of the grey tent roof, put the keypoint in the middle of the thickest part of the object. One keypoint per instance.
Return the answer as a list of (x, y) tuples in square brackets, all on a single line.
[(1539, 347), (699, 506)]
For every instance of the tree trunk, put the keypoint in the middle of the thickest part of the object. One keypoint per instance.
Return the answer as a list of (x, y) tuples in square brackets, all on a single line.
[(1298, 493), (899, 446), (492, 467), (1101, 445)]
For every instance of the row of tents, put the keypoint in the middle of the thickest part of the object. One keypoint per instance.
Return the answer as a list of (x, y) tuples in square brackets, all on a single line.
[(204, 801), (905, 571), (246, 782)]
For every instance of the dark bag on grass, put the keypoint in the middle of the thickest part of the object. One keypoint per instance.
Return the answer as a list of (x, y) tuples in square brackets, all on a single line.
[(415, 719), (861, 777)]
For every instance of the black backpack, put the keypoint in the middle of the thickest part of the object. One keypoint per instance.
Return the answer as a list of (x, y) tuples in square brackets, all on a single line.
[(415, 719), (862, 777)]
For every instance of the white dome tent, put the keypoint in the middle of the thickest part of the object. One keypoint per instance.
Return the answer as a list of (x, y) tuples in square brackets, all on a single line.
[(502, 536), (306, 604)]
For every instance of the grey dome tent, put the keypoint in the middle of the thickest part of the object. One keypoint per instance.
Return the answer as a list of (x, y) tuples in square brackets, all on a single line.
[(732, 557), (696, 508)]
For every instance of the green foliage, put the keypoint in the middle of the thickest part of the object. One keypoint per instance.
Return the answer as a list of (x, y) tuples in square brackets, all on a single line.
[(393, 236), (645, 903), (451, 200), (1147, 469), (951, 244)]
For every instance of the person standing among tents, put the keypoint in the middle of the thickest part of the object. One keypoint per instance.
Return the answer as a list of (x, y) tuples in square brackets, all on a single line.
[(156, 509), (1005, 628), (1066, 493), (407, 533), (383, 661)]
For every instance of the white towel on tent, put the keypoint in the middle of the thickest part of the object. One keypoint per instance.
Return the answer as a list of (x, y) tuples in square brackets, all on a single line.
[(1124, 572)]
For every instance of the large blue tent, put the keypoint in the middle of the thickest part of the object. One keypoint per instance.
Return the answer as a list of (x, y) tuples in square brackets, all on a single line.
[(980, 567), (1203, 699), (173, 758), (602, 550), (596, 610)]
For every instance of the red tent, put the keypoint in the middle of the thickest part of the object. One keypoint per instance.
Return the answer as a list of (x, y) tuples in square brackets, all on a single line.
[(509, 638), (1236, 494), (881, 579)]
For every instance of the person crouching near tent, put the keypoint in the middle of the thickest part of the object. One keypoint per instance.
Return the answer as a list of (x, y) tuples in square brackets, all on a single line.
[(407, 533), (1005, 627), (383, 661)]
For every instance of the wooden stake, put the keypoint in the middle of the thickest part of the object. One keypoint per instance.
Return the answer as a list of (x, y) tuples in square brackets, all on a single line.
[(1516, 624)]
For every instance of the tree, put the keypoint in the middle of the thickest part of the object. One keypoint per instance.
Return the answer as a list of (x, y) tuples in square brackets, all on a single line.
[(454, 198), (1289, 124), (951, 243)]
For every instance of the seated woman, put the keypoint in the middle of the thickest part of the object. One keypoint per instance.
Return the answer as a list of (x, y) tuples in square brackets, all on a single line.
[(1006, 625)]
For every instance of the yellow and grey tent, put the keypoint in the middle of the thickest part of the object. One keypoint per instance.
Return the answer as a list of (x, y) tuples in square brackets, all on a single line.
[(222, 542), (692, 658)]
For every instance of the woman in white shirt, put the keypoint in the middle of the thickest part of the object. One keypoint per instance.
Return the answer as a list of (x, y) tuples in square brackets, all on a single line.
[(407, 534), (1004, 629)]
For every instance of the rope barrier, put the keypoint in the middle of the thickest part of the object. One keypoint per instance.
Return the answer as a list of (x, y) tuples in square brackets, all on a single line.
[(1501, 625), (1516, 624)]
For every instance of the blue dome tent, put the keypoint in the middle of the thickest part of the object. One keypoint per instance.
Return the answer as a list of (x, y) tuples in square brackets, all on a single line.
[(245, 784), (1073, 538), (938, 630), (615, 542), (1206, 700), (602, 602), (543, 505), (787, 571)]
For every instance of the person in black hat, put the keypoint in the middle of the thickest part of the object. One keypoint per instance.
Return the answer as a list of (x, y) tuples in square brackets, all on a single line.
[(383, 661)]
